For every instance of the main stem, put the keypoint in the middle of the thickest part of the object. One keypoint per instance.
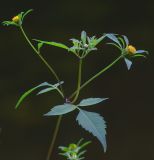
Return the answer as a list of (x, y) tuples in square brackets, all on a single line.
[(54, 138), (41, 57), (61, 92), (79, 81), (96, 75)]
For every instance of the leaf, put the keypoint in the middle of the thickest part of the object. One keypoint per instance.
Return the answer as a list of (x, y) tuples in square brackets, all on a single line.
[(83, 37), (139, 55), (126, 40), (29, 92), (122, 42), (114, 44), (61, 109), (52, 87), (60, 45), (140, 51), (84, 145), (26, 13), (8, 23), (113, 38), (39, 46), (91, 101), (93, 123), (45, 90), (128, 63), (100, 39)]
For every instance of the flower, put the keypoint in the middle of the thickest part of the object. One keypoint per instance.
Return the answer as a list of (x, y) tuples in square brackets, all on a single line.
[(127, 50), (16, 19), (131, 49)]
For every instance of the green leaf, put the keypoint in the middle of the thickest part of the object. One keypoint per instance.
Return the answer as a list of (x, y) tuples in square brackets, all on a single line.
[(8, 23), (114, 44), (52, 87), (27, 93), (93, 123), (61, 109), (139, 55), (91, 101), (26, 13), (122, 41), (100, 39), (84, 145), (113, 38), (83, 37), (39, 46), (60, 45)]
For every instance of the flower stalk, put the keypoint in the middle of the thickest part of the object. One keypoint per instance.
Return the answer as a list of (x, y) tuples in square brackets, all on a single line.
[(42, 58)]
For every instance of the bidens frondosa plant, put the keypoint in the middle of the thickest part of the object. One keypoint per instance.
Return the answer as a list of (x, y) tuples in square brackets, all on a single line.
[(90, 121)]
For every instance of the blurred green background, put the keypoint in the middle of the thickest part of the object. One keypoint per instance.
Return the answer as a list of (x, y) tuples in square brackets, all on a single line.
[(129, 113)]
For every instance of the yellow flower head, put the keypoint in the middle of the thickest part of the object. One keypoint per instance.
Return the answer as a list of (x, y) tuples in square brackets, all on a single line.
[(16, 19), (130, 49)]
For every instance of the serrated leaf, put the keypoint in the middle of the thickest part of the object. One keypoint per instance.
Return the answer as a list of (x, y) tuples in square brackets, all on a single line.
[(91, 101), (83, 37), (27, 93), (60, 45), (93, 123), (61, 109), (128, 63)]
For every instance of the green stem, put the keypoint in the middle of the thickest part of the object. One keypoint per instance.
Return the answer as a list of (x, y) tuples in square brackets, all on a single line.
[(41, 57), (60, 91), (79, 81), (96, 75), (54, 138)]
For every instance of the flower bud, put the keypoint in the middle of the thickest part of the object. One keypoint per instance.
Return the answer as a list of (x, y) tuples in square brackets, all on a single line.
[(130, 49), (16, 19), (86, 45), (72, 146)]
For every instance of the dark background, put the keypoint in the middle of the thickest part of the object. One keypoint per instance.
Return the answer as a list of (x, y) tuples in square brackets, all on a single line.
[(25, 134)]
